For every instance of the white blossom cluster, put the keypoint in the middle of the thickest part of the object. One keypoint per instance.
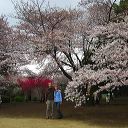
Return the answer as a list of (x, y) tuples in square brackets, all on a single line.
[(74, 94)]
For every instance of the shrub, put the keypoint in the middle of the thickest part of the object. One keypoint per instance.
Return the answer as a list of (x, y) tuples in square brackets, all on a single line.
[(19, 99)]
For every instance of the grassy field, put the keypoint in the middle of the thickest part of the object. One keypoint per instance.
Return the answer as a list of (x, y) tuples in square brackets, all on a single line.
[(32, 115)]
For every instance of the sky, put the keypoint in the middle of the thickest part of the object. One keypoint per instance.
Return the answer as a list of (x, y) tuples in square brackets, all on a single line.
[(6, 6)]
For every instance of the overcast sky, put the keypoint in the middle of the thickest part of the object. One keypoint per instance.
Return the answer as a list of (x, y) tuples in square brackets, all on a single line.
[(6, 6)]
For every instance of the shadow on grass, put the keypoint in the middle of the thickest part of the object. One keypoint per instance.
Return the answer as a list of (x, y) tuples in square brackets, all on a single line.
[(108, 116), (103, 115)]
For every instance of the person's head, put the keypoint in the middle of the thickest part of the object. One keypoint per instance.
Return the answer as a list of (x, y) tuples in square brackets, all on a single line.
[(56, 87), (50, 85)]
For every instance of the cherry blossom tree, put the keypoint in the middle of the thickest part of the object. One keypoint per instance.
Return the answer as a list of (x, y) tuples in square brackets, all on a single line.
[(5, 55), (110, 67), (57, 33), (99, 12), (12, 53)]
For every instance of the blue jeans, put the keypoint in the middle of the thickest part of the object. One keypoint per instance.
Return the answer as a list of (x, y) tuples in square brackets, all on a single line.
[(57, 105)]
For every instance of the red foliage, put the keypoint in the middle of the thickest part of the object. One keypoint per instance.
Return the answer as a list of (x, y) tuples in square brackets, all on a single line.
[(32, 82)]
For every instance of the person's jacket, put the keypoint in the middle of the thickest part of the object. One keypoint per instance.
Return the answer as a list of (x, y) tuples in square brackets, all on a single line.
[(57, 96), (50, 94)]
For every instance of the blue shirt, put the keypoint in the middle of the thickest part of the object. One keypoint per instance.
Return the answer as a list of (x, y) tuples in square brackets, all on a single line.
[(57, 96)]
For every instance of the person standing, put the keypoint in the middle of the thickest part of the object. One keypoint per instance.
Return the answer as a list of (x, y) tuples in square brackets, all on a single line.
[(58, 101), (49, 101)]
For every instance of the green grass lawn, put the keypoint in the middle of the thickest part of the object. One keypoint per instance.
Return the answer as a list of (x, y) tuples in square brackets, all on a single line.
[(32, 115)]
